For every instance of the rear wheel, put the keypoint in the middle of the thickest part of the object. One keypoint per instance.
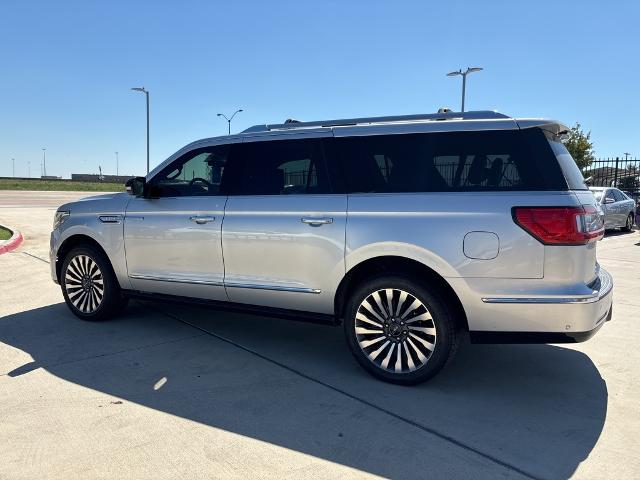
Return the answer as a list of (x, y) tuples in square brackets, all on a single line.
[(629, 224), (89, 285), (398, 330)]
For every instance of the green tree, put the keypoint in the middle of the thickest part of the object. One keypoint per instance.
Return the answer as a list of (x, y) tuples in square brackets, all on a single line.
[(580, 146)]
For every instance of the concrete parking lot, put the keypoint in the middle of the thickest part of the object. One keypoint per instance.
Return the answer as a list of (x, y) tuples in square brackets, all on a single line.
[(171, 391)]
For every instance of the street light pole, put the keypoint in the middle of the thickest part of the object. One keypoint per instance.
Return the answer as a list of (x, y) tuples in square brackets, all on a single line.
[(44, 162), (13, 167), (146, 92), (464, 79), (116, 164), (229, 119)]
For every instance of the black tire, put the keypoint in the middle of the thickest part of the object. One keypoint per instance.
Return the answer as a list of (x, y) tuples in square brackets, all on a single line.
[(444, 342), (629, 225), (89, 285)]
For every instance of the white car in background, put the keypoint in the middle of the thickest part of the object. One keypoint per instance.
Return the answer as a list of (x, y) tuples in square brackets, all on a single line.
[(619, 209)]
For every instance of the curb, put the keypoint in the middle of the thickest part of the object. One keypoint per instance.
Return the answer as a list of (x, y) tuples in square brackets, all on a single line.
[(13, 243)]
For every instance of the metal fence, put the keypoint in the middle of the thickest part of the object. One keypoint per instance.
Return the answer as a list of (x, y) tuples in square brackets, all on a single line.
[(615, 172)]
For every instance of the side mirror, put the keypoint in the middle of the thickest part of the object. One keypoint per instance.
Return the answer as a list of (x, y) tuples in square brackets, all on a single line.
[(136, 186), (609, 200)]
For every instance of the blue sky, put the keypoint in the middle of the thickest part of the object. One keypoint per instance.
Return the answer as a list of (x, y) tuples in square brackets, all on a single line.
[(67, 68)]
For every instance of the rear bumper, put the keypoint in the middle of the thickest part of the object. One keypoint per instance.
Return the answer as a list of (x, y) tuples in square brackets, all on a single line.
[(555, 318)]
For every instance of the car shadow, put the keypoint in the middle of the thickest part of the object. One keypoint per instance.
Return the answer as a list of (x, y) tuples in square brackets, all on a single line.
[(537, 408)]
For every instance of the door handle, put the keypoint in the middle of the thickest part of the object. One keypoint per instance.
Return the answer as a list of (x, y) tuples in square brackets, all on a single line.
[(317, 221), (201, 220)]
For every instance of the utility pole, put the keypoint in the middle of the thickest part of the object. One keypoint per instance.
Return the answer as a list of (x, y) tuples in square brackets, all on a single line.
[(464, 79), (13, 167), (116, 164), (626, 156)]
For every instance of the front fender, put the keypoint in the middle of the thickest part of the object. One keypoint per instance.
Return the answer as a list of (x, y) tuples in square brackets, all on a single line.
[(109, 236)]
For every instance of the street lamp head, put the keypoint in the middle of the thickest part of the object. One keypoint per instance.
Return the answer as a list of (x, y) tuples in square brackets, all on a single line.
[(453, 74), (474, 69), (240, 110), (219, 115), (139, 89)]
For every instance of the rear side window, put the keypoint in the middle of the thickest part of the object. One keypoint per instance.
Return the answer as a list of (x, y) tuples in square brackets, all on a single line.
[(451, 161), (571, 172), (277, 167)]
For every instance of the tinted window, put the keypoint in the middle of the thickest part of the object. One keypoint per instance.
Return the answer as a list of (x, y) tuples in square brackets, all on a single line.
[(572, 173), (279, 167), (196, 173), (451, 161)]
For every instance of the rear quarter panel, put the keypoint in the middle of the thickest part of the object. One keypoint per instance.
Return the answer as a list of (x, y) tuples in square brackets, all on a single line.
[(431, 227)]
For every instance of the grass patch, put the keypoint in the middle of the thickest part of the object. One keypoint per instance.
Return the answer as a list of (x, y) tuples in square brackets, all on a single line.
[(5, 234), (59, 186)]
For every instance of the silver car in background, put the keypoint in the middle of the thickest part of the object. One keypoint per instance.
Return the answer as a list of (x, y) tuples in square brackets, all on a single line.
[(619, 209), (412, 232)]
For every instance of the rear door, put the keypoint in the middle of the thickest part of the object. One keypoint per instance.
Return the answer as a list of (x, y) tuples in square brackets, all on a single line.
[(283, 233), (173, 237)]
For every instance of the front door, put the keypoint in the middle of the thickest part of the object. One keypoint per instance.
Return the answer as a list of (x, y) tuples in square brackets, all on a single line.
[(283, 233), (173, 237)]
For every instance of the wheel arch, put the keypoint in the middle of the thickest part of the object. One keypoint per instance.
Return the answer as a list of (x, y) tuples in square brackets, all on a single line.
[(73, 241), (391, 264)]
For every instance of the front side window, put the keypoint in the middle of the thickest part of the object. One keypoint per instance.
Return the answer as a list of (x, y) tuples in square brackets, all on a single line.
[(619, 196), (197, 173), (611, 196), (279, 167)]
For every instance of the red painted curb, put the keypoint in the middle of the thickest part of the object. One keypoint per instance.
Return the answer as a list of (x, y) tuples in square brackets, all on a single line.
[(14, 241)]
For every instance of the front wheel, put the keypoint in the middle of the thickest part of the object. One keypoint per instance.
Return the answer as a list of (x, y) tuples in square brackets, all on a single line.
[(398, 330), (629, 224), (89, 285)]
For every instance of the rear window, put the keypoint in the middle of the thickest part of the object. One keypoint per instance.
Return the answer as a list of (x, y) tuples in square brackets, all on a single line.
[(450, 161), (571, 172)]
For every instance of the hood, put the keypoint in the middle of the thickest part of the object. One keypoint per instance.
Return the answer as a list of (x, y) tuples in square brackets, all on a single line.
[(114, 203)]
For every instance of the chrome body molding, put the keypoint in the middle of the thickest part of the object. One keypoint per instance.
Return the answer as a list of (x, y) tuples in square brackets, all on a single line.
[(277, 288), (604, 285), (192, 281), (195, 281)]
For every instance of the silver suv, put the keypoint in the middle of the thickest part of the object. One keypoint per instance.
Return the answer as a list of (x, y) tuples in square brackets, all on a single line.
[(411, 231)]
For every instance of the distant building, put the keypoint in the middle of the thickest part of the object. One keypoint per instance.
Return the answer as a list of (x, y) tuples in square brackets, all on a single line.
[(90, 177)]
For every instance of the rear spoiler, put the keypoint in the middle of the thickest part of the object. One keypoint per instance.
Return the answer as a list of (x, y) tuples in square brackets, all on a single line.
[(552, 126)]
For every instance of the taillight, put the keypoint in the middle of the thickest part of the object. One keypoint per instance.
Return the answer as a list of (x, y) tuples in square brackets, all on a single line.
[(561, 225)]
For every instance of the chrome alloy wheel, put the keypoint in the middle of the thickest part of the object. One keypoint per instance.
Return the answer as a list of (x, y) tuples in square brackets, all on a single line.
[(84, 283), (395, 330)]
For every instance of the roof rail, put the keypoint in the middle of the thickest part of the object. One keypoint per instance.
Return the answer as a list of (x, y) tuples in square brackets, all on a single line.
[(477, 115)]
